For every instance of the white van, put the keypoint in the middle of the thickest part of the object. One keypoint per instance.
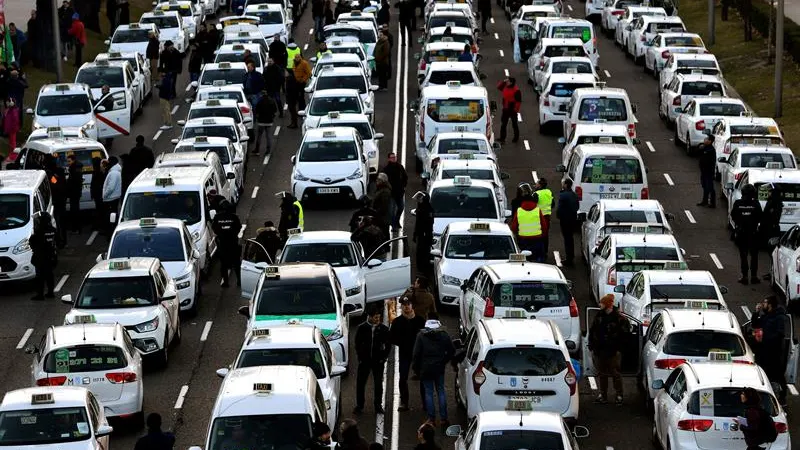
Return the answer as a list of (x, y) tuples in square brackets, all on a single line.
[(601, 104), (176, 193), (33, 156), (606, 171), (451, 108), (203, 158), (24, 195)]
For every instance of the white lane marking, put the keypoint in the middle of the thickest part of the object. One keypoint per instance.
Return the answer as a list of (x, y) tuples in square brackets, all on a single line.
[(592, 383), (255, 192), (157, 135), (502, 54), (669, 179), (608, 74), (535, 176), (206, 330), (310, 32), (277, 130), (91, 238), (608, 447), (526, 144), (519, 117), (496, 36), (650, 146), (175, 108), (746, 312), (505, 71), (689, 216), (792, 389), (27, 335), (716, 260), (396, 396), (266, 159), (305, 47), (491, 19), (61, 282), (241, 230), (181, 396), (557, 257), (570, 7)]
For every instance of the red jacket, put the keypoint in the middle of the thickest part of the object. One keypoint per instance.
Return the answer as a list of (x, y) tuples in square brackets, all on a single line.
[(78, 31), (512, 96), (528, 205)]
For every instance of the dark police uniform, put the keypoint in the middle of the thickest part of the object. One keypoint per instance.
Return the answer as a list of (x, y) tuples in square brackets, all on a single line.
[(226, 226)]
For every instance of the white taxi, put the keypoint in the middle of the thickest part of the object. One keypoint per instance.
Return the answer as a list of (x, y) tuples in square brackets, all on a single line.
[(203, 109), (645, 28), (54, 418), (98, 357), (561, 65), (514, 428), (235, 53), (456, 145), (168, 240), (699, 117), (785, 264), (787, 182), (463, 198), (555, 95), (730, 131), (191, 12), (572, 28), (64, 105), (439, 73), (619, 256), (118, 76), (746, 156), (39, 134), (348, 47), (222, 127), (624, 24), (227, 92), (685, 63), (272, 19), (601, 104), (139, 64), (133, 37), (230, 155), (594, 133), (477, 169), (612, 11), (326, 101), (437, 52), (685, 88), (336, 60), (170, 28), (137, 293), (369, 138), (345, 78), (221, 74), (249, 36), (663, 45), (550, 47), (357, 16), (463, 247)]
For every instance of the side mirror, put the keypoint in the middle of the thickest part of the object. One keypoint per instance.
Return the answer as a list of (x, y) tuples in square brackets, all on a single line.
[(378, 136), (562, 141), (505, 175), (244, 138), (537, 88), (174, 141), (107, 42), (301, 113), (453, 431), (774, 241), (373, 87), (231, 175), (723, 290), (729, 186), (100, 108), (100, 257), (374, 263), (293, 159), (103, 430), (181, 122), (619, 289), (581, 217), (507, 213), (596, 251), (67, 299), (222, 372), (309, 89), (722, 159), (496, 146), (657, 384), (338, 370), (312, 60), (31, 350), (29, 111), (413, 212), (637, 141), (436, 253), (416, 55), (112, 217), (193, 84), (244, 311), (482, 76), (458, 343), (195, 253), (169, 294), (561, 168), (580, 432)]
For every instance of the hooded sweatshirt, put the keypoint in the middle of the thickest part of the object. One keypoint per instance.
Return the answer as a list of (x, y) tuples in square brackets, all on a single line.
[(112, 186), (432, 351), (528, 205)]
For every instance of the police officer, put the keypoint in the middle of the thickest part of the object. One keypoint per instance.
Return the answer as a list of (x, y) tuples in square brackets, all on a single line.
[(423, 230), (43, 246), (226, 226), (269, 238), (547, 203), (364, 210), (746, 215), (291, 214)]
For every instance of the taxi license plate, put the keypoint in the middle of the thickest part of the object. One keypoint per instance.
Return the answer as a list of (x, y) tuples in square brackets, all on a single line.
[(609, 195), (327, 190), (677, 110), (522, 403), (789, 210), (562, 107), (460, 128)]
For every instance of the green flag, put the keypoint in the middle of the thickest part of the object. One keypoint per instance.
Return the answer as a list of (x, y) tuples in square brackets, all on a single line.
[(8, 48)]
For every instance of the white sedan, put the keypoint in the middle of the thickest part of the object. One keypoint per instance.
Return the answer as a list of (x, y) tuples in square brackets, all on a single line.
[(785, 264), (699, 117), (663, 45)]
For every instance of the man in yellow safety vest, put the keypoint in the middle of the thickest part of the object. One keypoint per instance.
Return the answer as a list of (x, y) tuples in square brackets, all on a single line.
[(546, 203), (530, 228)]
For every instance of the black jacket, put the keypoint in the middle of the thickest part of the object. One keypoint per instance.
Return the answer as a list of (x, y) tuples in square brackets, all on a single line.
[(423, 227), (433, 350), (75, 180), (707, 160), (171, 61), (290, 216), (273, 78), (384, 15), (277, 51), (382, 202), (317, 8), (485, 7), (407, 11), (746, 216), (266, 110), (403, 333), (355, 219), (398, 178), (155, 440), (370, 237), (43, 244), (269, 238), (568, 205), (606, 333), (152, 49), (195, 61), (142, 157), (226, 226), (372, 346), (771, 216), (773, 326)]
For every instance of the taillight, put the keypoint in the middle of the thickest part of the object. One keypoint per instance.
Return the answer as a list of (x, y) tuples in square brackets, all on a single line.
[(744, 361), (700, 125), (695, 424), (645, 193), (665, 54), (611, 276), (478, 378), (546, 100), (579, 192), (617, 13), (727, 149), (541, 64), (488, 311), (571, 379), (676, 101), (781, 427), (244, 109), (736, 176), (632, 130), (51, 381), (121, 377), (422, 65), (573, 308), (669, 363), (422, 131)]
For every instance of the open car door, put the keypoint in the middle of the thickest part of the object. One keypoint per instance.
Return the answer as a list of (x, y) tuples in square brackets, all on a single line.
[(791, 346), (631, 347), (254, 260), (390, 277), (113, 115)]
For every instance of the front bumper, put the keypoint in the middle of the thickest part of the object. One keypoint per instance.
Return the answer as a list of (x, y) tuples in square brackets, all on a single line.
[(546, 115), (16, 267), (348, 190), (186, 295), (448, 294), (149, 342)]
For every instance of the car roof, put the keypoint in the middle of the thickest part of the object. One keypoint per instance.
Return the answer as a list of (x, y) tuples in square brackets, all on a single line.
[(601, 91), (451, 182), (202, 121), (747, 120), (64, 88), (659, 18), (134, 26), (644, 240), (575, 77), (472, 164), (329, 236), (679, 277), (232, 65), (461, 227), (608, 149), (338, 57), (22, 180), (63, 396), (461, 135), (336, 93), (702, 319), (229, 48), (223, 102), (343, 118), (88, 333), (632, 204), (341, 71), (701, 100), (186, 159), (698, 77), (439, 45), (292, 273), (435, 31), (542, 7), (204, 141), (452, 65), (289, 394), (555, 59), (723, 375), (510, 420), (752, 148), (139, 266), (773, 175), (296, 335), (180, 175), (159, 222), (53, 145), (320, 134), (263, 6), (513, 271), (520, 331), (544, 42), (706, 56), (679, 34), (461, 91)]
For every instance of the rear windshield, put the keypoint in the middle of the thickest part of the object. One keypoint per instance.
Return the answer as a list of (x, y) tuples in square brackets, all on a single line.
[(566, 89), (471, 202), (612, 170), (356, 82), (788, 192), (721, 109), (228, 75), (329, 151), (221, 151), (531, 15), (761, 159), (224, 131), (728, 403), (449, 174), (701, 88), (130, 36), (238, 57), (454, 146), (531, 295), (319, 66), (455, 110), (478, 246), (268, 17), (564, 50), (614, 109), (85, 358), (638, 267), (683, 41), (754, 129), (164, 243), (683, 291), (221, 95), (161, 22), (456, 21), (97, 77), (181, 10), (443, 76), (602, 140), (344, 104), (697, 63), (348, 50), (661, 27), (441, 55), (700, 342), (633, 216), (582, 32), (647, 253), (201, 113), (578, 66), (525, 361), (521, 439), (290, 300)]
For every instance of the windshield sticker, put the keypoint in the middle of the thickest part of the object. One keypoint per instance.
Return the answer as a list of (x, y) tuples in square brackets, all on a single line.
[(27, 420), (62, 360), (506, 293), (629, 253), (707, 402), (763, 192), (83, 427), (650, 216)]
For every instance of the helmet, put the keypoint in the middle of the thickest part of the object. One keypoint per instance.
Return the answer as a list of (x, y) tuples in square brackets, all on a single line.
[(524, 189), (748, 191)]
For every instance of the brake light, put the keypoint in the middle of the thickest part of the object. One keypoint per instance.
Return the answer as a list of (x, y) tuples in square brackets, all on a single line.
[(727, 148), (546, 100), (617, 13), (611, 276), (488, 310), (573, 308), (121, 377), (244, 109), (744, 361), (736, 176), (695, 424), (474, 48), (422, 130), (579, 192), (781, 427), (700, 125), (669, 363), (541, 64), (422, 64), (665, 54), (51, 381), (676, 101), (478, 378), (645, 193), (571, 379), (632, 130)]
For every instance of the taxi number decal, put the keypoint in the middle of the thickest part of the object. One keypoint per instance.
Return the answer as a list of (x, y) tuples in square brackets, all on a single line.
[(27, 420)]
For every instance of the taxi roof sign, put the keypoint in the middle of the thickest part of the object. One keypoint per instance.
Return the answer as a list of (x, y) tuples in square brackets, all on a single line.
[(447, 39), (479, 226), (605, 140), (42, 399), (101, 62), (213, 102), (639, 228), (237, 47), (572, 70), (115, 55), (261, 332), (133, 26), (147, 222), (675, 265), (333, 115), (774, 165), (695, 304), (218, 83), (453, 83), (122, 264), (517, 257), (294, 231), (158, 13), (55, 133), (83, 319), (450, 24), (201, 139), (719, 356), (209, 121), (62, 87), (224, 65), (715, 94), (462, 180), (164, 181), (262, 387), (329, 134), (272, 272)]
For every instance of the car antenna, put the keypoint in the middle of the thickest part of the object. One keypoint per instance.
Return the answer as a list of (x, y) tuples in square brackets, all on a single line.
[(84, 332), (520, 418)]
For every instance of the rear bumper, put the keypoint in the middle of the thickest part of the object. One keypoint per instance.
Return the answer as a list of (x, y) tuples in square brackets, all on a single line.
[(129, 403)]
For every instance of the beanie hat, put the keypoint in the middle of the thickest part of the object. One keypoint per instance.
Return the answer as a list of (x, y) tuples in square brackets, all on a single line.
[(607, 301)]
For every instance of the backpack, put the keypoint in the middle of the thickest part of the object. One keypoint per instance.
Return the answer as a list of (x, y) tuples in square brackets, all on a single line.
[(767, 428)]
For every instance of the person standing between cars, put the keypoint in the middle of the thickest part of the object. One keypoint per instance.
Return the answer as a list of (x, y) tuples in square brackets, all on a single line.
[(770, 225), (529, 227), (293, 94), (372, 349), (746, 215), (269, 238), (364, 210), (65, 12), (43, 246), (265, 116), (383, 61), (112, 14), (291, 214), (466, 55), (523, 190), (546, 203), (759, 427), (12, 123), (403, 334), (433, 350), (278, 52), (420, 297), (112, 190), (369, 235), (605, 342), (350, 438), (226, 226), (58, 188), (195, 65), (769, 332), (408, 21), (155, 439), (512, 100), (318, 14), (171, 63), (274, 82), (292, 50), (152, 54), (141, 156), (708, 165), (485, 10), (382, 203), (166, 93), (398, 180), (253, 84), (423, 230), (74, 192), (567, 213), (302, 73), (78, 32), (384, 13)]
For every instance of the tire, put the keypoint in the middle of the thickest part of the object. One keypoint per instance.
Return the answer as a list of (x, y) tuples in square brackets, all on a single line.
[(676, 139), (654, 437), (162, 356), (638, 59), (645, 69), (688, 143)]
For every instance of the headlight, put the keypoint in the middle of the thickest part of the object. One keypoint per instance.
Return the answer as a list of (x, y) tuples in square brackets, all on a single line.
[(191, 35), (337, 334), (372, 153), (299, 176), (356, 174), (183, 281), (22, 247), (353, 291), (453, 281), (145, 327), (37, 125)]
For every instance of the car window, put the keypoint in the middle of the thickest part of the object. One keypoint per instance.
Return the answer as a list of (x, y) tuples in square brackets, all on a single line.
[(678, 388), (525, 361), (656, 329)]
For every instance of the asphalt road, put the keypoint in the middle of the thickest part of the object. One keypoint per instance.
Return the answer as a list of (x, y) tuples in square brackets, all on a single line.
[(184, 393)]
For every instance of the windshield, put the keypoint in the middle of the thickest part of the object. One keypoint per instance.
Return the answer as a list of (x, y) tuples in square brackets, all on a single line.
[(532, 296), (683, 292), (521, 439), (564, 50), (566, 89), (367, 36), (43, 426), (308, 357), (352, 50), (697, 64), (612, 170), (268, 17), (63, 105), (754, 130), (531, 15), (441, 77), (701, 342), (683, 41), (164, 243), (342, 32), (221, 151), (788, 192), (230, 112), (223, 131), (238, 57), (728, 402), (524, 360), (221, 95), (295, 300), (120, 292), (363, 128), (701, 88), (454, 21), (321, 106), (182, 205), (786, 159), (268, 431), (721, 109), (577, 66), (230, 76), (130, 36), (582, 32), (319, 66), (604, 139), (442, 55), (161, 22), (356, 82), (647, 253), (457, 145), (183, 11), (661, 27), (337, 255), (15, 210), (465, 38), (455, 110), (607, 108), (328, 151), (650, 217), (97, 77), (83, 155), (475, 246), (467, 202), (85, 358), (475, 174)]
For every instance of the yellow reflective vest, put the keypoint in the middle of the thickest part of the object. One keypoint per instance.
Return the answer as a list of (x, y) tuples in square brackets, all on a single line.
[(300, 222), (529, 222), (545, 200), (291, 53)]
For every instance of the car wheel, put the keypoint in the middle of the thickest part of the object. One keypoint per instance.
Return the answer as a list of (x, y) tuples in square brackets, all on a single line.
[(638, 59), (456, 391), (654, 437), (676, 138), (162, 357), (688, 142), (655, 72)]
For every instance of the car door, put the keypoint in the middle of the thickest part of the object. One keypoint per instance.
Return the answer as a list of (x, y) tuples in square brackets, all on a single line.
[(146, 71), (254, 259), (785, 251), (466, 365), (599, 264), (629, 301), (589, 230), (387, 279), (793, 355), (727, 170), (665, 404), (113, 115), (631, 346), (683, 118)]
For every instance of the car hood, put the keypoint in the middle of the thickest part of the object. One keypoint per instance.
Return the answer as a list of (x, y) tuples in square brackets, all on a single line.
[(272, 29), (175, 268), (169, 34), (125, 316), (75, 120), (324, 170), (128, 47), (350, 277), (10, 238), (80, 445)]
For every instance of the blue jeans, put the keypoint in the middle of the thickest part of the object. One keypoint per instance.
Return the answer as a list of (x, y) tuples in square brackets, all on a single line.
[(438, 384), (399, 203), (319, 24)]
